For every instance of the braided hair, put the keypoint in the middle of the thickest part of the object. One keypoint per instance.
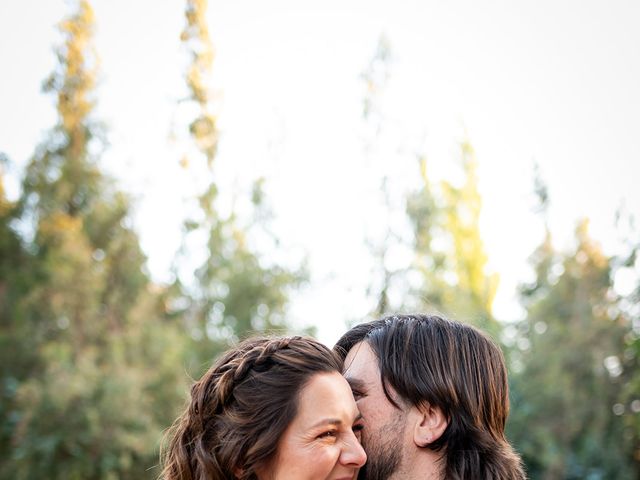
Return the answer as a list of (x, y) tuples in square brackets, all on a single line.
[(241, 407)]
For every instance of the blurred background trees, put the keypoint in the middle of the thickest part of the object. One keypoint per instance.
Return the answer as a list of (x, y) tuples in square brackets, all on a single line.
[(85, 346), (93, 352), (570, 375), (235, 290), (96, 356)]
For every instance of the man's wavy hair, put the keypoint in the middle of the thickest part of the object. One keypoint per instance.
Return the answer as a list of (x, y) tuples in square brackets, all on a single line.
[(241, 407), (455, 367)]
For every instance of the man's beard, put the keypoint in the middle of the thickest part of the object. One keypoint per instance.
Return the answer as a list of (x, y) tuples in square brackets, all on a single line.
[(384, 451)]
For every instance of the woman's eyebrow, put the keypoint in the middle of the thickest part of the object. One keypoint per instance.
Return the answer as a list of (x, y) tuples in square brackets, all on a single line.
[(327, 421), (334, 421)]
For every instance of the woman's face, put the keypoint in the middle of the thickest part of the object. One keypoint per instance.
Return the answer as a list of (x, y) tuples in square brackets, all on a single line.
[(323, 441)]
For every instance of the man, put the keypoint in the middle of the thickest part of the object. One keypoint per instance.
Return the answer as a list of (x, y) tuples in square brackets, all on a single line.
[(434, 397)]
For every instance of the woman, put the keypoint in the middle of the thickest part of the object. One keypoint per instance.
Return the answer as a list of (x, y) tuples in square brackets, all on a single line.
[(269, 409)]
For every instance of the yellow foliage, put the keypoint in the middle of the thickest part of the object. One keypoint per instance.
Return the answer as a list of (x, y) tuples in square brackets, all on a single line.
[(423, 170), (60, 224), (239, 238), (61, 228), (5, 205), (196, 37), (79, 72), (462, 220), (589, 247)]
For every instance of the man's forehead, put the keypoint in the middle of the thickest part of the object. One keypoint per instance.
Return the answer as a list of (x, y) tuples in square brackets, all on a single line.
[(356, 383), (360, 362)]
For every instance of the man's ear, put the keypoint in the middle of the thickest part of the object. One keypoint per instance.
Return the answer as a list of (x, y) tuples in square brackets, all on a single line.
[(430, 425)]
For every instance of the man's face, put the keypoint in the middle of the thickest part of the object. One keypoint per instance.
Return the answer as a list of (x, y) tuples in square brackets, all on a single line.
[(384, 432)]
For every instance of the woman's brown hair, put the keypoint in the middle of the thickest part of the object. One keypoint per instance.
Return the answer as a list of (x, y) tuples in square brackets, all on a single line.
[(240, 408)]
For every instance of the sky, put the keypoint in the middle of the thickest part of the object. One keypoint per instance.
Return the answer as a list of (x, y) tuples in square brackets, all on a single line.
[(551, 82)]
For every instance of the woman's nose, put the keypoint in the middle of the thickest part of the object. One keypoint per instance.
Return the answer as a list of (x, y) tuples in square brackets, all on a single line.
[(353, 453)]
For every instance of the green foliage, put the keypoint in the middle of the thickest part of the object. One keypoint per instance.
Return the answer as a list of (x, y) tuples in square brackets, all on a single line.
[(450, 260), (235, 291), (448, 272), (92, 353), (98, 413), (89, 377), (375, 78), (629, 307), (565, 419)]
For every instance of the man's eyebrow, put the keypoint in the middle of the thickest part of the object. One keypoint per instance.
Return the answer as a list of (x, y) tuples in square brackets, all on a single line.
[(355, 383)]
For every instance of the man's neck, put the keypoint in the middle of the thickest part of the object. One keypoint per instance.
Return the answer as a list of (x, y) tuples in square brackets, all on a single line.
[(423, 465)]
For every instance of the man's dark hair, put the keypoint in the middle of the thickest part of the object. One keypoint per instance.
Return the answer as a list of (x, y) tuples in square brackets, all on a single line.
[(455, 367)]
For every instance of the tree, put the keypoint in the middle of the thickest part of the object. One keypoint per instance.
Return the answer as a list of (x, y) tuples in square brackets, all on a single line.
[(440, 229), (385, 280), (450, 260), (89, 379), (565, 418), (235, 290), (626, 266)]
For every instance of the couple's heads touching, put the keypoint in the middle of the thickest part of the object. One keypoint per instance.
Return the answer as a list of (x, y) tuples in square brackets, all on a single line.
[(271, 408), (424, 397)]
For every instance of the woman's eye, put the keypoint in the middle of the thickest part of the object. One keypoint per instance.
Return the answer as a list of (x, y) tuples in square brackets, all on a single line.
[(327, 434)]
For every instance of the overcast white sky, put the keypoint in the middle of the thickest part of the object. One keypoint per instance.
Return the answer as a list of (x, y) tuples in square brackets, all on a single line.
[(550, 81)]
